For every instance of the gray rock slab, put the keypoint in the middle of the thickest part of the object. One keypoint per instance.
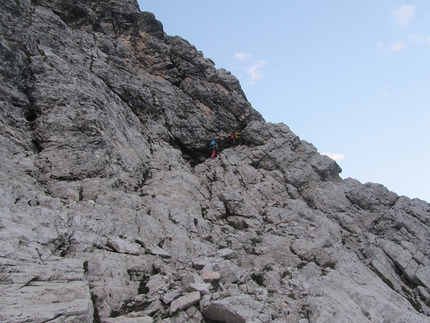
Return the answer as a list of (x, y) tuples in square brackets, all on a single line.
[(229, 272), (184, 302), (423, 275), (239, 309), (227, 253), (105, 122), (127, 319), (123, 246)]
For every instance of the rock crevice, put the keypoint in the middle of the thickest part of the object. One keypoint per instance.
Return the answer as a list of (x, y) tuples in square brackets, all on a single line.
[(112, 211)]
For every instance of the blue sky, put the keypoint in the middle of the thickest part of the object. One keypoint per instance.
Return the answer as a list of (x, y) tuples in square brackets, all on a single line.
[(350, 77)]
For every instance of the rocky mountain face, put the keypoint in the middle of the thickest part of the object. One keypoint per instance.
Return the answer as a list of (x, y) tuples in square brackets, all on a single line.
[(111, 210)]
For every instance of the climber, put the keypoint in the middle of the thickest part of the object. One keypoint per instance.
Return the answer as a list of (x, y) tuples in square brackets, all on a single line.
[(213, 148), (233, 139), (237, 136)]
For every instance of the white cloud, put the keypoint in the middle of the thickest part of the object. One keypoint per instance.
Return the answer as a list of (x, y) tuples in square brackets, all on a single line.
[(419, 38), (379, 44), (397, 46), (411, 39), (255, 71), (404, 14), (386, 91), (384, 49), (380, 47), (242, 56), (334, 156), (415, 38)]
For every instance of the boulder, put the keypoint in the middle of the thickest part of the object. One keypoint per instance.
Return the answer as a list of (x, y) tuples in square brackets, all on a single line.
[(238, 309), (184, 302)]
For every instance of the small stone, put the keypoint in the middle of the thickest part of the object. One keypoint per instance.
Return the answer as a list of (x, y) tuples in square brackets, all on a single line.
[(123, 246), (227, 253), (184, 302), (201, 287), (210, 276), (171, 296)]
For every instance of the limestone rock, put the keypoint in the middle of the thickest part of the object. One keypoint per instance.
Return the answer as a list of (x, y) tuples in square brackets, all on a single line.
[(122, 246), (233, 310), (210, 276), (228, 253), (185, 301), (171, 296), (29, 287), (111, 210), (122, 319), (229, 272)]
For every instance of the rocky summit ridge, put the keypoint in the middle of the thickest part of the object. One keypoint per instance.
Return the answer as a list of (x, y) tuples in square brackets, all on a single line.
[(111, 210)]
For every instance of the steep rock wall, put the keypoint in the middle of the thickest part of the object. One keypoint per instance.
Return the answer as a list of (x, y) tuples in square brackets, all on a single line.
[(111, 210)]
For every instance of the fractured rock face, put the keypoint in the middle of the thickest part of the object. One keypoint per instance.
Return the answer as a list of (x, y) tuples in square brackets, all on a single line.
[(111, 210), (237, 309)]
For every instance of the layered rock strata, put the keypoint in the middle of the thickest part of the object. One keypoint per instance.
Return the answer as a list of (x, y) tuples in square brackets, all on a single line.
[(111, 210)]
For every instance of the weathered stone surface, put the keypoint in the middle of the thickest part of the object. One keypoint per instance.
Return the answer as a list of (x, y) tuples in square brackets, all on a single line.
[(210, 276), (110, 210), (373, 197), (171, 296), (188, 280), (29, 287), (238, 309), (155, 284), (229, 272), (227, 253), (423, 276), (123, 246), (125, 319), (185, 301)]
